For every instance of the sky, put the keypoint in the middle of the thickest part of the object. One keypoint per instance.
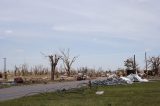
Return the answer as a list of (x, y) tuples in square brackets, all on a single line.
[(102, 33)]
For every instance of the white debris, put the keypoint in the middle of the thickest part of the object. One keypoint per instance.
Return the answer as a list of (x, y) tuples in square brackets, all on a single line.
[(112, 76), (127, 80), (144, 80), (80, 74), (100, 92), (136, 78)]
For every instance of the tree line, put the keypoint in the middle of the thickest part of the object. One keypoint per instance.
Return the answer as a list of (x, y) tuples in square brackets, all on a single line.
[(152, 65)]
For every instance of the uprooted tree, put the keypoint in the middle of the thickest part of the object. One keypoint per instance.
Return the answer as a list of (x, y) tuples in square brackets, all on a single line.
[(67, 60), (154, 64)]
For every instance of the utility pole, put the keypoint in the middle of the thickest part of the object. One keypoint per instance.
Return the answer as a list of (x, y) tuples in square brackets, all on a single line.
[(146, 63), (4, 64), (5, 72), (146, 60), (134, 64)]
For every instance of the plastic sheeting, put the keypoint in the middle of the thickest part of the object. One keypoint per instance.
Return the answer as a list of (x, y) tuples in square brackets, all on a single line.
[(136, 78), (129, 81)]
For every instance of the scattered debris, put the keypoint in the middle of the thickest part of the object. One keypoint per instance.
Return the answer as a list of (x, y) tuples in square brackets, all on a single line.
[(63, 77), (81, 77), (37, 80), (112, 76), (100, 92)]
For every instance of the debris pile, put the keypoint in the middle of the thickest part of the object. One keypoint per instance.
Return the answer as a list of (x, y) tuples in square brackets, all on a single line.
[(119, 80), (110, 81)]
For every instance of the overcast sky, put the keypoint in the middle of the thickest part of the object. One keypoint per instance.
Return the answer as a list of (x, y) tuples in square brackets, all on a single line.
[(103, 33)]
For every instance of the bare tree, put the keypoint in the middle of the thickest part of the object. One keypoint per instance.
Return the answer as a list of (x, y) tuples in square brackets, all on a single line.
[(16, 70), (24, 69), (67, 60), (154, 63), (54, 59), (53, 62)]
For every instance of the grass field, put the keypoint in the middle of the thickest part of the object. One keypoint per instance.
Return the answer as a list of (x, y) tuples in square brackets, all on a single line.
[(138, 94)]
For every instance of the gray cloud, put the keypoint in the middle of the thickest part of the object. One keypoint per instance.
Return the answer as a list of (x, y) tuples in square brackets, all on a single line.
[(130, 19), (101, 21)]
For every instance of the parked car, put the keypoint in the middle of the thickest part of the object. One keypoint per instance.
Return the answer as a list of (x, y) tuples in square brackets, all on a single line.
[(18, 80)]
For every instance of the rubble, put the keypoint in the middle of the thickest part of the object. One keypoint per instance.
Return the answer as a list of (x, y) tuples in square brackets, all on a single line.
[(110, 81), (81, 76), (113, 80)]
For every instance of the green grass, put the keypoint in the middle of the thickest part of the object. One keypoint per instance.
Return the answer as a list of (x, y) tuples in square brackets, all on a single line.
[(138, 94)]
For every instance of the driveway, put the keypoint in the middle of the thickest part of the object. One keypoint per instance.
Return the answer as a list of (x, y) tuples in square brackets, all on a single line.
[(20, 91)]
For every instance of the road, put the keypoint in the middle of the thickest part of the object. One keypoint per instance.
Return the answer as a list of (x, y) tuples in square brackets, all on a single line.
[(20, 91)]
